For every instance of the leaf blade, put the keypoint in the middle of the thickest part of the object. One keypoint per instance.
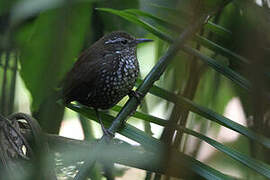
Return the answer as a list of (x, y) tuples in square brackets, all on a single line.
[(154, 145)]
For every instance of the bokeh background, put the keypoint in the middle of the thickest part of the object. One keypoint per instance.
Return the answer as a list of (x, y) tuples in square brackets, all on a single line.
[(219, 90)]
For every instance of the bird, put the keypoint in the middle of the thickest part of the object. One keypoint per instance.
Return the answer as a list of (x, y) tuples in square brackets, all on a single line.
[(104, 73)]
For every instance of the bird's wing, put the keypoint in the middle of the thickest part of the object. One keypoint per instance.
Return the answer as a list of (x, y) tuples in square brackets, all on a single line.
[(83, 77)]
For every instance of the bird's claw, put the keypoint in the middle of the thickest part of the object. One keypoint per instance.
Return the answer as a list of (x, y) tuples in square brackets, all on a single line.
[(138, 96), (107, 132)]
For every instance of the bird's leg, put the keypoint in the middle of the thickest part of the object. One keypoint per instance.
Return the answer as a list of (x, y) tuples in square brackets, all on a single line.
[(104, 130), (138, 95)]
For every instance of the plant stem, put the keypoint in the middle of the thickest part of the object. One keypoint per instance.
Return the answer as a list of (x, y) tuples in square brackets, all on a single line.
[(4, 87), (13, 84)]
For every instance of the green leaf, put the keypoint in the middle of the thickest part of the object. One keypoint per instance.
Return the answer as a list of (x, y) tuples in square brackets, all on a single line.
[(49, 47), (206, 113), (168, 25), (209, 25), (200, 39), (258, 166), (220, 50), (254, 164), (137, 21), (226, 71), (111, 23), (214, 64), (218, 29), (129, 131), (152, 144), (28, 8), (184, 14), (144, 116)]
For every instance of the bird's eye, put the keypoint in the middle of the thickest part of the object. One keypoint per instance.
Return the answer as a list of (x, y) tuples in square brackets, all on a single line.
[(124, 42)]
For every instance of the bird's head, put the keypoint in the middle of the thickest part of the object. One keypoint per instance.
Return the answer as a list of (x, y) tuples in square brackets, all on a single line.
[(121, 41)]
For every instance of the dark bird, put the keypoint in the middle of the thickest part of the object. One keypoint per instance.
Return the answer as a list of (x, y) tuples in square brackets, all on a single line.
[(104, 73)]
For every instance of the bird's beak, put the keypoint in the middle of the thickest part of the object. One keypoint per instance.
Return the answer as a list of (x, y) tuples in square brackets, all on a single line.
[(137, 41)]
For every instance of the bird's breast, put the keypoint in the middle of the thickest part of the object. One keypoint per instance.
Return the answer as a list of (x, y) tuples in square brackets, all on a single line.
[(117, 82)]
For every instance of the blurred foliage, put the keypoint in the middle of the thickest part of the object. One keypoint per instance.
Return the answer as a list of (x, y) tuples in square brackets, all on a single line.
[(229, 57), (61, 42)]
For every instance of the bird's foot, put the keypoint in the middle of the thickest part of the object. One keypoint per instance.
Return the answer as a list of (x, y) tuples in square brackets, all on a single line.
[(107, 132), (138, 95)]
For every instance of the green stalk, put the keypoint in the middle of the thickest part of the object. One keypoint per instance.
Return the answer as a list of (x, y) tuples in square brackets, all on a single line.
[(4, 87), (13, 84)]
